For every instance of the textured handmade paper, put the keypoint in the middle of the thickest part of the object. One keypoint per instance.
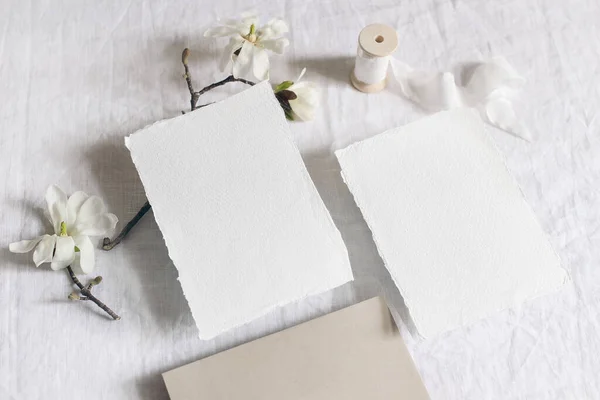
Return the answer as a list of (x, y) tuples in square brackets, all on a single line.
[(449, 221), (242, 220)]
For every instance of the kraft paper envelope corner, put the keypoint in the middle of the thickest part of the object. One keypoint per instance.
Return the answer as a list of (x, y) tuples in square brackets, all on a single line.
[(240, 215), (449, 221), (356, 353)]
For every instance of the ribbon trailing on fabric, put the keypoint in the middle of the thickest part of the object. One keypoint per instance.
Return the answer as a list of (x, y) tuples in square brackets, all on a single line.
[(489, 89)]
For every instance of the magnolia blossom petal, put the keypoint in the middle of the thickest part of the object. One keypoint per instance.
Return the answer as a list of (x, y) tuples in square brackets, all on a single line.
[(64, 253), (241, 27), (24, 246), (44, 251), (304, 111), (307, 90), (260, 63), (242, 66), (276, 45), (56, 200), (93, 206), (235, 43), (279, 26), (97, 225), (74, 205), (86, 253), (275, 28), (306, 101), (301, 75)]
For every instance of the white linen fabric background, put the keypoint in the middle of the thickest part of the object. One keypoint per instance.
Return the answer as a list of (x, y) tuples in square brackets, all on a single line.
[(78, 76)]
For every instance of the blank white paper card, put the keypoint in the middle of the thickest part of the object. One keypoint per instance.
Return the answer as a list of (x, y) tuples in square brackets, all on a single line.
[(241, 218), (449, 221)]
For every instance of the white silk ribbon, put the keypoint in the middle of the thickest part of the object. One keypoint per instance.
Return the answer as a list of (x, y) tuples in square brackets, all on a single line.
[(489, 89)]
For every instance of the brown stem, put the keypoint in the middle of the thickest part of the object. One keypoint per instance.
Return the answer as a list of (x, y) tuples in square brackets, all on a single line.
[(89, 296), (188, 79), (194, 96), (230, 78), (108, 244)]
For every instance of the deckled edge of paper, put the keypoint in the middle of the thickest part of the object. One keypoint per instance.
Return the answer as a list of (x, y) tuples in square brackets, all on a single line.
[(158, 215), (270, 309), (339, 155), (567, 275), (349, 276), (315, 291), (347, 182)]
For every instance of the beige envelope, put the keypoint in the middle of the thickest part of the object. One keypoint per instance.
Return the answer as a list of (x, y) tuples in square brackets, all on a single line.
[(352, 354)]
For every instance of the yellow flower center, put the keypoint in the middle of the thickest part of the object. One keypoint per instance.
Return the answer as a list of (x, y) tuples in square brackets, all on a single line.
[(63, 229), (251, 36)]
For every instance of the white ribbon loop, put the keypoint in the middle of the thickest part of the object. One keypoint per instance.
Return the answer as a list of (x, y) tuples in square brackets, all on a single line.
[(489, 89)]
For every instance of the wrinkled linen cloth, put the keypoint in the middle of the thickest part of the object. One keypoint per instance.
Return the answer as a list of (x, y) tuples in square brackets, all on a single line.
[(76, 77)]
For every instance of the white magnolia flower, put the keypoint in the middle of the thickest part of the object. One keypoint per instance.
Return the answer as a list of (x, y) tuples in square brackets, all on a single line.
[(298, 99), (74, 220), (248, 44)]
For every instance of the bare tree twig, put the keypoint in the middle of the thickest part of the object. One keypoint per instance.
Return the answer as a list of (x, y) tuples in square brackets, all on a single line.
[(88, 295), (194, 96), (188, 78), (222, 82), (108, 244)]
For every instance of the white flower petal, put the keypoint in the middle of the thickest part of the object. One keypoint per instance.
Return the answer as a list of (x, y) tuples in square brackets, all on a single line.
[(301, 75), (97, 225), (92, 207), (304, 111), (274, 29), (306, 102), (221, 31), (86, 253), (233, 27), (44, 251), (307, 91), (243, 25), (235, 43), (56, 200), (76, 267), (56, 265), (64, 253), (260, 64), (74, 204), (242, 66), (24, 246), (275, 45)]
